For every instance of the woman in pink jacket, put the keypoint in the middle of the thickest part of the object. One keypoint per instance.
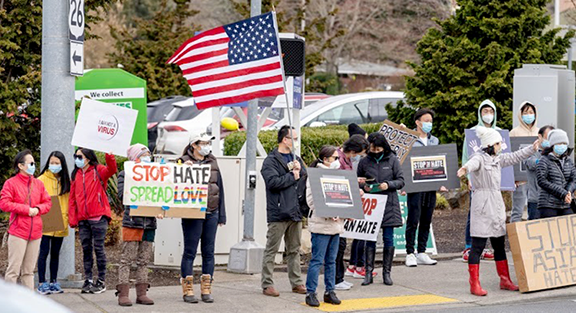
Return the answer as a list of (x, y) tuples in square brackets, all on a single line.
[(26, 199)]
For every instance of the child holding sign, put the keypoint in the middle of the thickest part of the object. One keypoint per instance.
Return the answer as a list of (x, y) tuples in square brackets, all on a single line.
[(487, 211)]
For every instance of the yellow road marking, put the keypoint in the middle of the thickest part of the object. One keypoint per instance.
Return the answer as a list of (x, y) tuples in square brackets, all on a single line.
[(384, 302)]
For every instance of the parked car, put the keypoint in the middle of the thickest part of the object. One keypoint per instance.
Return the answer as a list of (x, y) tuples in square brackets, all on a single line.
[(157, 112), (359, 108)]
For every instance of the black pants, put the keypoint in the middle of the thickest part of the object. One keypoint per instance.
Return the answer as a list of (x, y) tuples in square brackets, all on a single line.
[(340, 266), (92, 235), (357, 253), (478, 245), (420, 210), (548, 212), (49, 245)]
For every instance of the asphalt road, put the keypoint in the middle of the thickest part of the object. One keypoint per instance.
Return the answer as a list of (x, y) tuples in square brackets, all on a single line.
[(551, 305)]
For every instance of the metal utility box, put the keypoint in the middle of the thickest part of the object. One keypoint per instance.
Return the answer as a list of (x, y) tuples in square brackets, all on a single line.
[(551, 89)]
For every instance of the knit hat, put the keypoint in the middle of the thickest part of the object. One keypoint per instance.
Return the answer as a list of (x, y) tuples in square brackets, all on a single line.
[(488, 136), (354, 129), (136, 151), (557, 136)]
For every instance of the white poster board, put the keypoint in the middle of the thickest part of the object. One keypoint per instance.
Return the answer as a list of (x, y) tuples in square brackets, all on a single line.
[(104, 127), (368, 228)]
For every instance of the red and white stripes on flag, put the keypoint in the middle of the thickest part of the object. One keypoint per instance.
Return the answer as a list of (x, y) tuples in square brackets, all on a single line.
[(233, 63)]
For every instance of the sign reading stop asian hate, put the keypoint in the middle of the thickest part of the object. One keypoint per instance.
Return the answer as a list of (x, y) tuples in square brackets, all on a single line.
[(369, 227), (544, 252), (166, 185)]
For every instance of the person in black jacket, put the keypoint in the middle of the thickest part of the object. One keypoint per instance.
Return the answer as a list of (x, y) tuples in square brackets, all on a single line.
[(383, 174), (556, 177), (285, 179), (138, 237)]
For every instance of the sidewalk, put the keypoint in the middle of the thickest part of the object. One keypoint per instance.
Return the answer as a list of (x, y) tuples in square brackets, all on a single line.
[(442, 286)]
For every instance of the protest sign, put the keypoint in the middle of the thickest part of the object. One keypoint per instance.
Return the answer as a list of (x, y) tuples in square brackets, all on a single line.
[(431, 167), (369, 227), (400, 139), (336, 193), (53, 220), (400, 232), (104, 127), (473, 145), (520, 170), (544, 252), (179, 190)]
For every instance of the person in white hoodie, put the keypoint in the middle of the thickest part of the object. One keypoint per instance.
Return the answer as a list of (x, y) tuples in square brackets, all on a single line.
[(325, 238)]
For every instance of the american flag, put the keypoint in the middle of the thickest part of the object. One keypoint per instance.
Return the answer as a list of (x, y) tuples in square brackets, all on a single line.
[(233, 63)]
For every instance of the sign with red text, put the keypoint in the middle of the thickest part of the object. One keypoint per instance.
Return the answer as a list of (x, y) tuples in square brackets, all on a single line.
[(369, 227), (166, 187), (104, 127)]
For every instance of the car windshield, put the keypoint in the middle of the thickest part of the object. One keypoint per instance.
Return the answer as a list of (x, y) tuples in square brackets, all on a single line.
[(158, 112), (182, 113)]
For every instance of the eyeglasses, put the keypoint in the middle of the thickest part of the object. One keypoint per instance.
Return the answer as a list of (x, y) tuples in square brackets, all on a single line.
[(336, 158), (78, 157), (31, 163)]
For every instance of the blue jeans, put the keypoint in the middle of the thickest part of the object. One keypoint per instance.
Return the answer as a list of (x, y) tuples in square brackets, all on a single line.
[(387, 237), (533, 213), (196, 230), (324, 251)]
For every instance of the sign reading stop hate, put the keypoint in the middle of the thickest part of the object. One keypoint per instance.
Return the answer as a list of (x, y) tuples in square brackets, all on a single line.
[(104, 127)]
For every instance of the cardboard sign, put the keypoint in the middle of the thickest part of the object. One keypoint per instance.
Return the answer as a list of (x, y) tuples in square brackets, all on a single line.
[(544, 252), (400, 139), (104, 127), (53, 220), (336, 193), (180, 190), (431, 167), (473, 144), (520, 170), (400, 232), (369, 227)]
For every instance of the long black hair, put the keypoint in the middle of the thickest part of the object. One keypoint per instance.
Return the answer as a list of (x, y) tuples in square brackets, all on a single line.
[(64, 177), (490, 150), (20, 158), (325, 152), (90, 156), (378, 139)]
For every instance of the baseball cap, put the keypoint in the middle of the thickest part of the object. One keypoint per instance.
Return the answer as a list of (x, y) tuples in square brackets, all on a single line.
[(201, 137)]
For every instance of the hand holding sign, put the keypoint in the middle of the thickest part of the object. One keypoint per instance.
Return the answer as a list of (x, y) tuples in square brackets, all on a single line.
[(462, 171)]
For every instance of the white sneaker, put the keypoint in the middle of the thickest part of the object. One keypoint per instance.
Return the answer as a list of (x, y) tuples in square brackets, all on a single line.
[(349, 284), (424, 259), (342, 286), (411, 260)]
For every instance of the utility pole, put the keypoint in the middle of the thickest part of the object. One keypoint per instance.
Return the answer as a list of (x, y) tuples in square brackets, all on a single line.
[(57, 119), (246, 256)]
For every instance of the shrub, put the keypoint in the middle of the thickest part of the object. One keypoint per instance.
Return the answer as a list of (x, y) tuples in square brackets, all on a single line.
[(441, 202), (114, 230)]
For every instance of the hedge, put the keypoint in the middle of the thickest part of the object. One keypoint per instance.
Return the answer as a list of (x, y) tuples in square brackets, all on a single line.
[(312, 139)]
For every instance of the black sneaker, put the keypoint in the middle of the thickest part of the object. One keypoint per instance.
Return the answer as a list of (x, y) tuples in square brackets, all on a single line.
[(98, 287), (330, 297), (311, 300), (87, 286)]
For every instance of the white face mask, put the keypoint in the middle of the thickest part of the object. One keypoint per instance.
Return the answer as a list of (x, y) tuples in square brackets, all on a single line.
[(205, 150), (295, 146), (335, 165), (488, 118)]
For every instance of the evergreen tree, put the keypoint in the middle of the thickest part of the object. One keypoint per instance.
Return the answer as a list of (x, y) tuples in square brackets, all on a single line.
[(144, 51), (472, 56)]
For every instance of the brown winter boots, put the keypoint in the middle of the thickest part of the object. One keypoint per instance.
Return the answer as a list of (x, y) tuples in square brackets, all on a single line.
[(123, 291), (206, 288), (188, 289)]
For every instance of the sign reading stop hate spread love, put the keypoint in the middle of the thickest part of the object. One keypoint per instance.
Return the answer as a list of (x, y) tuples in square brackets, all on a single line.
[(104, 127)]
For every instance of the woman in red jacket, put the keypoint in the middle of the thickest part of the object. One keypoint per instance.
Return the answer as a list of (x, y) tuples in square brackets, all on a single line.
[(89, 209), (26, 199)]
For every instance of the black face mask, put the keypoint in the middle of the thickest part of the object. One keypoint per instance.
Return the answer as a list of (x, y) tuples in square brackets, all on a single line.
[(376, 155)]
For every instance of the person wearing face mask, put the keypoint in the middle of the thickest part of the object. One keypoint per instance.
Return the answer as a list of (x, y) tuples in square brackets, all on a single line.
[(57, 182), (527, 128), (354, 129), (556, 177), (488, 212), (533, 190), (421, 204), (285, 178), (138, 234), (325, 238), (89, 210), (198, 152), (26, 199), (487, 117), (383, 169)]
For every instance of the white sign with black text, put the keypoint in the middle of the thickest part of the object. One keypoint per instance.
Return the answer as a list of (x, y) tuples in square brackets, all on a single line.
[(368, 228)]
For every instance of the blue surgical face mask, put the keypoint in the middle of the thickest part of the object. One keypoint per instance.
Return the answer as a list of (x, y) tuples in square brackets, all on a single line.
[(427, 127), (55, 168), (560, 149), (355, 158), (545, 144), (31, 169), (146, 159), (79, 163), (528, 118)]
